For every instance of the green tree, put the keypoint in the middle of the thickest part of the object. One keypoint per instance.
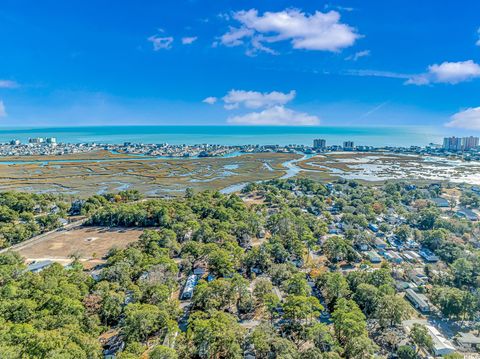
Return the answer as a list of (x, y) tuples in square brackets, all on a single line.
[(391, 310), (360, 347), (162, 352), (420, 336), (297, 285), (221, 263), (142, 320), (263, 287), (301, 308), (406, 352), (215, 336), (333, 286), (348, 320), (321, 336), (367, 296), (338, 249)]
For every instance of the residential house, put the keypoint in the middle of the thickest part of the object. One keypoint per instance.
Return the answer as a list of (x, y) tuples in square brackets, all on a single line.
[(468, 341), (468, 214), (36, 267), (373, 257), (418, 300), (428, 255), (441, 202), (189, 287), (441, 345)]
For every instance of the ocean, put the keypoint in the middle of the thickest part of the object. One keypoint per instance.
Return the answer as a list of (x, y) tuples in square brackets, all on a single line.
[(231, 135)]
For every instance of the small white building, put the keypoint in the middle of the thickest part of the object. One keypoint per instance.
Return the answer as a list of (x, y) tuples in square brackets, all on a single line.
[(189, 287), (441, 345)]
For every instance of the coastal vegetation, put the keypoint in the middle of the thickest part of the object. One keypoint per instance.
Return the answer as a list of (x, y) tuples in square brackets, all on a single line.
[(82, 176), (24, 215)]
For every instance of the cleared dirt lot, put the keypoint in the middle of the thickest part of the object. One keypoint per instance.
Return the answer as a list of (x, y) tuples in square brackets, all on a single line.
[(89, 244)]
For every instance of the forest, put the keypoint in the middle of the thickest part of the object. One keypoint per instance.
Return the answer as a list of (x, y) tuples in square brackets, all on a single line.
[(277, 268)]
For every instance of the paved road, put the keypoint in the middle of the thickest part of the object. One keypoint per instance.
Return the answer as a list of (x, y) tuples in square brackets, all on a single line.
[(43, 236)]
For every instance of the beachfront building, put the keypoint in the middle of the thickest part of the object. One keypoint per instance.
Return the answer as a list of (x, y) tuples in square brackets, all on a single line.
[(36, 140), (348, 146), (452, 143), (319, 144), (469, 143)]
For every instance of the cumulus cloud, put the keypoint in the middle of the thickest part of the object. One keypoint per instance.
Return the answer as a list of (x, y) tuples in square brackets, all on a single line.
[(210, 100), (467, 119), (8, 84), (319, 31), (255, 100), (447, 72), (189, 40), (358, 55), (3, 112), (161, 43), (275, 116)]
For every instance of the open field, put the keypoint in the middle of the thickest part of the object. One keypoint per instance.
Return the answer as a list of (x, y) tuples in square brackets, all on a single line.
[(89, 244), (153, 177)]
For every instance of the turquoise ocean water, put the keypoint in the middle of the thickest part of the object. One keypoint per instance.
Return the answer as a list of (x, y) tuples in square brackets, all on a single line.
[(231, 135)]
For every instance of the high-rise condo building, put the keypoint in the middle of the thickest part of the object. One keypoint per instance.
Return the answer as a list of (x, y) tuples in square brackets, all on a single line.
[(452, 143), (348, 145), (319, 143), (469, 143)]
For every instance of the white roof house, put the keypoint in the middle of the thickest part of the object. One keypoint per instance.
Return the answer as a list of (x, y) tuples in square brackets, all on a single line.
[(418, 300), (441, 345), (189, 287)]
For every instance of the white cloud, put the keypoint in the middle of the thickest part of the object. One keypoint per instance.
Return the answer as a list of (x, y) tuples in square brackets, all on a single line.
[(3, 112), (234, 36), (468, 119), (447, 72), (189, 40), (275, 116), (254, 99), (318, 31), (160, 43), (358, 55), (341, 8), (377, 73), (210, 100), (8, 84)]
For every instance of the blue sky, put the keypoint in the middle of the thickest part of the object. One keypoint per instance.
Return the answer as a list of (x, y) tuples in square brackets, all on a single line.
[(268, 62)]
